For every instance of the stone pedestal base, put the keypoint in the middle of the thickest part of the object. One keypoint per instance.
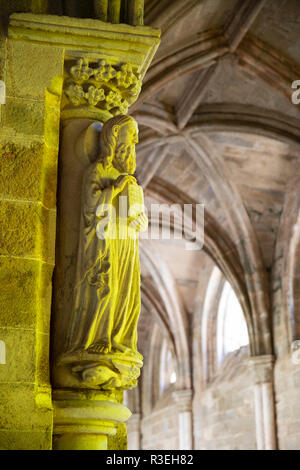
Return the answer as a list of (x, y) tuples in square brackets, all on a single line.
[(84, 420)]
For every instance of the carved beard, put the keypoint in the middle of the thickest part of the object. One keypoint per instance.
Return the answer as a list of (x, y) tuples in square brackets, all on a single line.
[(124, 159)]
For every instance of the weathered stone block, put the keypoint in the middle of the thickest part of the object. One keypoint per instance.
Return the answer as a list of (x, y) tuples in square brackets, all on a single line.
[(18, 409), (19, 228), (24, 116), (31, 68), (27, 229), (21, 170), (18, 294), (25, 440), (20, 355)]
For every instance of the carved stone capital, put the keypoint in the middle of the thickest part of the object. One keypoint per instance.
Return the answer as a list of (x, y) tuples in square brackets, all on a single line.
[(262, 367), (184, 399)]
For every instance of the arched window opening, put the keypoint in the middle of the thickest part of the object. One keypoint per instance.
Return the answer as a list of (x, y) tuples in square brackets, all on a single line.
[(232, 333), (167, 368)]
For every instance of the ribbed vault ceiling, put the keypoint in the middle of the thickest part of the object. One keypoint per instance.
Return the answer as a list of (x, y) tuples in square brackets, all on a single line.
[(217, 126)]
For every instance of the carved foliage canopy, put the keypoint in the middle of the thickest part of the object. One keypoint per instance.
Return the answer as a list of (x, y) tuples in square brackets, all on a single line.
[(102, 85)]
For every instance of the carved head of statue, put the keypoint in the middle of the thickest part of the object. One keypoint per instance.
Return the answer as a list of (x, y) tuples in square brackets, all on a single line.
[(117, 140)]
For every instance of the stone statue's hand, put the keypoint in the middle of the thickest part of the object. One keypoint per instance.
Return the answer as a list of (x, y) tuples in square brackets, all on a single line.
[(140, 223)]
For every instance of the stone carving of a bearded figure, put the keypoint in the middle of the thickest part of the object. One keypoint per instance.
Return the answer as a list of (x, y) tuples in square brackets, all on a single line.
[(102, 338)]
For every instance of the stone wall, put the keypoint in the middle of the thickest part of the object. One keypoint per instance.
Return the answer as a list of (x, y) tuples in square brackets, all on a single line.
[(224, 412), (160, 429), (287, 382), (28, 161)]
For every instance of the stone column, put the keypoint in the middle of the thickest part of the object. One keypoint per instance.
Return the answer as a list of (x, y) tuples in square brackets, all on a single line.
[(134, 432), (29, 142), (86, 420), (183, 398), (55, 67), (103, 71), (264, 402)]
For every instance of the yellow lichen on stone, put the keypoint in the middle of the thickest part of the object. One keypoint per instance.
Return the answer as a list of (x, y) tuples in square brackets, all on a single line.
[(17, 401), (25, 440), (27, 229), (24, 116), (28, 181), (119, 440), (19, 290), (21, 171), (30, 82)]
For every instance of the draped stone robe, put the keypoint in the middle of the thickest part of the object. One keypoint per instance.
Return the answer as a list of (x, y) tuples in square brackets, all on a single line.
[(103, 332)]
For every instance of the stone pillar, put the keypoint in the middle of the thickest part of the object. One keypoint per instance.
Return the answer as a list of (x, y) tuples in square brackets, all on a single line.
[(29, 141), (183, 398), (264, 402), (134, 432), (86, 420), (104, 67), (39, 50)]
